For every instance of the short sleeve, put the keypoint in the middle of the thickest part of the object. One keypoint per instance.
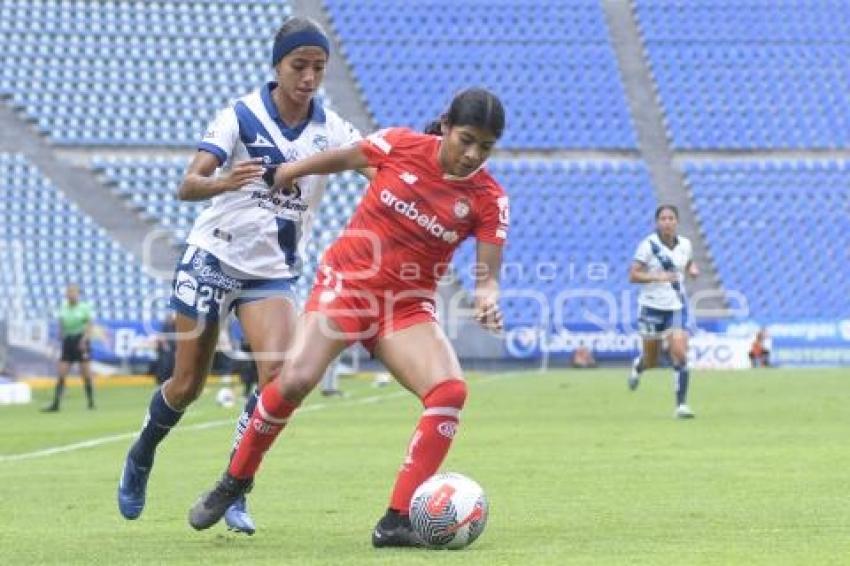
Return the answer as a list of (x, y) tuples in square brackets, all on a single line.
[(349, 134), (494, 219), (221, 135), (378, 147), (643, 254), (89, 312)]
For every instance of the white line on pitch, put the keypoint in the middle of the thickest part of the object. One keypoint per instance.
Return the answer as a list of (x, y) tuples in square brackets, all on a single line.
[(199, 426), (202, 426)]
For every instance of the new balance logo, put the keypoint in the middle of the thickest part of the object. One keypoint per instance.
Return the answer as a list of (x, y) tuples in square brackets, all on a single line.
[(408, 177), (260, 141)]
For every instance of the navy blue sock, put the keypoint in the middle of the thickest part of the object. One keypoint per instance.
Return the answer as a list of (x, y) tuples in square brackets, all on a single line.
[(87, 384), (242, 423), (682, 377), (159, 421), (59, 391)]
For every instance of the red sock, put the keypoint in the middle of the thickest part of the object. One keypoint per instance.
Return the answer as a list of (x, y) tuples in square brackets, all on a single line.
[(268, 420), (431, 440)]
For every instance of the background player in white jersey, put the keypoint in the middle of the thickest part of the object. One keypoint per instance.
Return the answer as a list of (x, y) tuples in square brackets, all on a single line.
[(243, 252), (660, 264)]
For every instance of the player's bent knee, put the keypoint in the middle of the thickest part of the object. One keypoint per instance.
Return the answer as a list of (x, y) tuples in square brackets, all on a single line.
[(296, 384), (184, 388), (268, 372), (448, 393)]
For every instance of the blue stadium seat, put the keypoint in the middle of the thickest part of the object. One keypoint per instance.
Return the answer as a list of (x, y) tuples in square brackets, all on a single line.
[(559, 83), (48, 242), (778, 232), (166, 57), (756, 74), (560, 247)]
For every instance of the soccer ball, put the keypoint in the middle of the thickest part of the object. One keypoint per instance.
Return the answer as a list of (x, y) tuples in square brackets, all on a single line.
[(225, 397), (449, 511)]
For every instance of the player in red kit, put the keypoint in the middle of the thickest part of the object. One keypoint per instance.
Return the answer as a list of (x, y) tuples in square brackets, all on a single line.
[(376, 285)]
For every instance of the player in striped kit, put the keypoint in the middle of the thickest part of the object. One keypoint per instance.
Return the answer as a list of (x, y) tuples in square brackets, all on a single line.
[(376, 285), (243, 252), (661, 262)]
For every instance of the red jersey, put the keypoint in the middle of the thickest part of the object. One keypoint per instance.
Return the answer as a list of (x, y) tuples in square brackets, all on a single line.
[(413, 216)]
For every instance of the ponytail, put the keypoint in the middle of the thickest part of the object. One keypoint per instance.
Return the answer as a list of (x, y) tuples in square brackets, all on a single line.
[(434, 128)]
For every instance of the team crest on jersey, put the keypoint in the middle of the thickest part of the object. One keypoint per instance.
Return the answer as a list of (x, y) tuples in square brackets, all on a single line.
[(462, 208), (320, 142)]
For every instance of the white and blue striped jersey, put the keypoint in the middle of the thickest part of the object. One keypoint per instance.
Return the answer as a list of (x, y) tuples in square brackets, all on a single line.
[(261, 234), (656, 256)]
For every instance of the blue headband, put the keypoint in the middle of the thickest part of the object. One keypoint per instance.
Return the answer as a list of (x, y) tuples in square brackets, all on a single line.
[(286, 43)]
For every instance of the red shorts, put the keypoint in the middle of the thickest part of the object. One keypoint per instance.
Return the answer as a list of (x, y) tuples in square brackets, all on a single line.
[(367, 315)]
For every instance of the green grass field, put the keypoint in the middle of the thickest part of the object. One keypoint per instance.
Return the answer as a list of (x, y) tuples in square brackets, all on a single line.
[(578, 470)]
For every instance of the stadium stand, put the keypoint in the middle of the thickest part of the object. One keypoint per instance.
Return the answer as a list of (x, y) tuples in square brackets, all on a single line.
[(579, 223), (779, 232), (131, 73), (750, 74), (151, 184), (553, 66), (61, 245)]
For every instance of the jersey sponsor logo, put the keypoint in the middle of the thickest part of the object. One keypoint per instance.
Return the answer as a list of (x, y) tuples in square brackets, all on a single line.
[(278, 203), (431, 223), (408, 177), (186, 288), (260, 141), (462, 208)]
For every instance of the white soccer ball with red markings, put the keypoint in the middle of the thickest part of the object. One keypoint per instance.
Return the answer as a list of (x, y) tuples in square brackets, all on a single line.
[(449, 510)]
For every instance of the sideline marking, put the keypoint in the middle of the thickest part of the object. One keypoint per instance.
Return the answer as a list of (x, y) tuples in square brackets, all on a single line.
[(212, 424)]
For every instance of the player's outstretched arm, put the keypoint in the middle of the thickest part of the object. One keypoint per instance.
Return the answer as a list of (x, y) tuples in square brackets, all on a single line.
[(199, 183), (489, 265), (322, 163)]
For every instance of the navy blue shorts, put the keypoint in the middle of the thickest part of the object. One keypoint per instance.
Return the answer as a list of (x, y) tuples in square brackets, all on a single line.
[(205, 288), (656, 323)]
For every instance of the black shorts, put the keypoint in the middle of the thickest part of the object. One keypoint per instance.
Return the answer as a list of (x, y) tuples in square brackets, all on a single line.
[(72, 351)]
